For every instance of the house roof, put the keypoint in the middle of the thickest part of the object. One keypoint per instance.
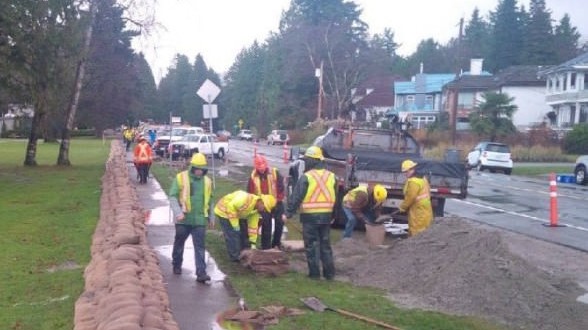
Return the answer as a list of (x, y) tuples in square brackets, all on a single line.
[(473, 82), (521, 75), (581, 60), (433, 84), (377, 91)]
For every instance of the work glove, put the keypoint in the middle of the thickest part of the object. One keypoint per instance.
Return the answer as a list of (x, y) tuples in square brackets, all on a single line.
[(253, 247)]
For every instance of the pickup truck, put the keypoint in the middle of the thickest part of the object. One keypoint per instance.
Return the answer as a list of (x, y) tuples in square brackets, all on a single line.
[(366, 156), (207, 144), (161, 145)]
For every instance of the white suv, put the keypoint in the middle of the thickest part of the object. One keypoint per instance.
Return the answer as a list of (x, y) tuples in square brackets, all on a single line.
[(278, 136), (492, 156), (245, 134)]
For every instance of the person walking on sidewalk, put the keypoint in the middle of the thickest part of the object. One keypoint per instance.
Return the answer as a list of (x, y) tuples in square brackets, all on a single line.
[(362, 203), (268, 181), (142, 158), (315, 194), (190, 196), (242, 205)]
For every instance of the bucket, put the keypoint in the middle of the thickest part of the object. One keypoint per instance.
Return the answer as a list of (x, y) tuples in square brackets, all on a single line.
[(375, 234)]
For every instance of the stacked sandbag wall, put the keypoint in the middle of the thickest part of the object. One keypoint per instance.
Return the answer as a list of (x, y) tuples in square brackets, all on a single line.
[(124, 286)]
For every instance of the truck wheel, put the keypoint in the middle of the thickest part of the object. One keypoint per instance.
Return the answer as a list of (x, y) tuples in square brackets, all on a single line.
[(580, 174), (220, 154), (439, 209)]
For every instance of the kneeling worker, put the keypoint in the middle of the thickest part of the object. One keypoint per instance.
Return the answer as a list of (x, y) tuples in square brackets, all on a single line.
[(417, 199), (242, 205), (362, 203)]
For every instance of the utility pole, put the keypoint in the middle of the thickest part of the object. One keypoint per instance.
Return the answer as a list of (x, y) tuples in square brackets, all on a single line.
[(455, 88), (319, 75)]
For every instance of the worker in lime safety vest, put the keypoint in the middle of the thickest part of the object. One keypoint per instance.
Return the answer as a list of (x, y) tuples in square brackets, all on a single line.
[(242, 205), (190, 196), (315, 195), (363, 203), (417, 199)]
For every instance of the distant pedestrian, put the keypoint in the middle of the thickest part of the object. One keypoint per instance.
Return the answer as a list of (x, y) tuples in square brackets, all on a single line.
[(142, 158), (417, 199), (315, 195), (190, 196), (242, 205), (362, 203), (265, 180), (152, 136)]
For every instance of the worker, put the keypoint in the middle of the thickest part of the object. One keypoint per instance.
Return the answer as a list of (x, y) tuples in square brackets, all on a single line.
[(128, 136), (242, 205), (315, 195), (417, 199), (142, 158), (362, 203), (266, 180), (190, 196)]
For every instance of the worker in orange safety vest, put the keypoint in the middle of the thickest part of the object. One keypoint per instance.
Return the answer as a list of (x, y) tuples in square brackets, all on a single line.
[(142, 158)]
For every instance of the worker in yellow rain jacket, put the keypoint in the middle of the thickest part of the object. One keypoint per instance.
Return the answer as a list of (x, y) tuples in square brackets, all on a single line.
[(417, 199), (242, 205)]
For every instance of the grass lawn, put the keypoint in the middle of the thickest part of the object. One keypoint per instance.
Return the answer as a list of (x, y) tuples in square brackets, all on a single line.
[(48, 217)]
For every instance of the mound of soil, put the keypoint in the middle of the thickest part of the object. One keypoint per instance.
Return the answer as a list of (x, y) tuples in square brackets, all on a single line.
[(462, 268)]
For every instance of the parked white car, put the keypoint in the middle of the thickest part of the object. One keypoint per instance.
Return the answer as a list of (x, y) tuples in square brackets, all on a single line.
[(278, 136), (207, 144), (580, 170), (492, 156), (245, 134)]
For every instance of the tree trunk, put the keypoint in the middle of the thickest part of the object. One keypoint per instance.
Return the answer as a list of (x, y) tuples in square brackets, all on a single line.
[(63, 158), (31, 154)]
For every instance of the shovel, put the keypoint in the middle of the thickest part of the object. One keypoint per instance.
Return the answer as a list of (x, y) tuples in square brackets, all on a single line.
[(317, 305)]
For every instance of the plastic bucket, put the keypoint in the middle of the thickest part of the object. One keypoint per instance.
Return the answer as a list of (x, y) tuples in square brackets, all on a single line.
[(375, 234)]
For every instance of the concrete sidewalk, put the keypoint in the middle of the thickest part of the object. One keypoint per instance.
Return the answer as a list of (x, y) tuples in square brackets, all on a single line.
[(194, 306)]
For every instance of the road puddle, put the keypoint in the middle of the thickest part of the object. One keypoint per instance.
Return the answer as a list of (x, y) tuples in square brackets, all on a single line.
[(224, 321)]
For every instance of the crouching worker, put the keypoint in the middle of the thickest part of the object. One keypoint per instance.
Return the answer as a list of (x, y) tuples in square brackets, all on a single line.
[(417, 199), (189, 196), (242, 205), (362, 203)]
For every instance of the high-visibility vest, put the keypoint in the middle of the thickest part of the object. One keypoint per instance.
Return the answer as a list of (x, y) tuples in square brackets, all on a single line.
[(236, 205), (144, 155), (272, 182), (351, 194), (424, 192), (320, 196), (184, 185)]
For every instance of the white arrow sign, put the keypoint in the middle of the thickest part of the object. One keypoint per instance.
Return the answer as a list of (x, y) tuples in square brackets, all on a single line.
[(208, 91)]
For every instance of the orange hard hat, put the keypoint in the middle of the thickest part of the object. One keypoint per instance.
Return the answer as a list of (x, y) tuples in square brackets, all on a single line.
[(260, 163)]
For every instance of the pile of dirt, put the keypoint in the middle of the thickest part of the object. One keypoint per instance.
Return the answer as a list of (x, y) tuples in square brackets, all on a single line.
[(461, 268)]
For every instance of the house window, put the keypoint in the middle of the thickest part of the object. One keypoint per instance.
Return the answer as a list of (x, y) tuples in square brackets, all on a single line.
[(557, 85), (565, 83), (573, 81), (585, 80), (550, 85)]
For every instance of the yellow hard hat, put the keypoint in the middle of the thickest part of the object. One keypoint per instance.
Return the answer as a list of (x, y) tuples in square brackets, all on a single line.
[(380, 193), (198, 160), (314, 152), (407, 165), (269, 202)]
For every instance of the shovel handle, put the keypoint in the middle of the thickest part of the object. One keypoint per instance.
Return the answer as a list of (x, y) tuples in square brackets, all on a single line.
[(365, 318)]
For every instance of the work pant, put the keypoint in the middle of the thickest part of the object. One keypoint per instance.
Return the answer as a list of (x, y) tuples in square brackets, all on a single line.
[(232, 238), (317, 244), (198, 236), (352, 220), (143, 171), (267, 242)]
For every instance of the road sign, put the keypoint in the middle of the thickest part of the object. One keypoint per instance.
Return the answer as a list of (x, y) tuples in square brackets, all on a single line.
[(209, 111), (208, 91)]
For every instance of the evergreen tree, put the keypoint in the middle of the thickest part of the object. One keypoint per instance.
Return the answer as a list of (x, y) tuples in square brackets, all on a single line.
[(506, 37), (476, 38), (566, 40), (493, 117), (538, 41)]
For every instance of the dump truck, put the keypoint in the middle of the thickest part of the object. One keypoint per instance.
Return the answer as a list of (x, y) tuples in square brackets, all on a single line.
[(368, 156)]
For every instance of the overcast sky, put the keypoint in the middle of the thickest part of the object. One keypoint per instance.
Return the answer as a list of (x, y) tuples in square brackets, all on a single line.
[(219, 29)]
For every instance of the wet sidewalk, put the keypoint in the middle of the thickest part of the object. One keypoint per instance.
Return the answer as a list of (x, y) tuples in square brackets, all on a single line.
[(194, 306)]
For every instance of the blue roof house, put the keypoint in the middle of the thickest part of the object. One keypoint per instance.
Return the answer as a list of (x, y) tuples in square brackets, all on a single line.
[(420, 100)]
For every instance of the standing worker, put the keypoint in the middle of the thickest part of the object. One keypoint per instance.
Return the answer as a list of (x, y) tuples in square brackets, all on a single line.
[(190, 196), (315, 194), (142, 158), (362, 203), (268, 181), (128, 136), (242, 205), (417, 199)]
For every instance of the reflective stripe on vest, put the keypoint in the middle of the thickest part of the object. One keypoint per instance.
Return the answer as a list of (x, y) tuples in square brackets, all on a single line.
[(143, 156), (184, 185), (272, 182), (320, 196), (424, 192)]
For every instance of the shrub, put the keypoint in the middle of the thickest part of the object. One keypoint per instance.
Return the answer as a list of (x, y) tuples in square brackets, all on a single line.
[(576, 141)]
